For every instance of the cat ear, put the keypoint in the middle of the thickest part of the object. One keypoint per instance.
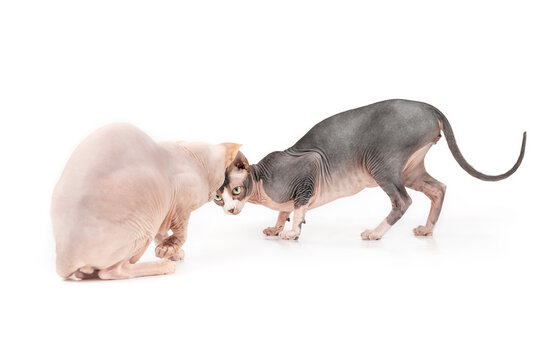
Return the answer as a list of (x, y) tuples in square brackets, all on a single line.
[(231, 151), (241, 162)]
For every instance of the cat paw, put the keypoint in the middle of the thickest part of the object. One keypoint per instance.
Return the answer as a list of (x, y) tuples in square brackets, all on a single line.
[(289, 235), (165, 251), (179, 255), (272, 231), (422, 231), (168, 266), (371, 235), (168, 247)]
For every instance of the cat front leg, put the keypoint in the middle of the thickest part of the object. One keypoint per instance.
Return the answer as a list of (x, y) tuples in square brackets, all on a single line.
[(303, 195), (298, 219), (170, 247)]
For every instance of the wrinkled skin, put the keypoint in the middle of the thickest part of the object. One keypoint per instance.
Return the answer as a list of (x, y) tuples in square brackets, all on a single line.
[(383, 144), (120, 190)]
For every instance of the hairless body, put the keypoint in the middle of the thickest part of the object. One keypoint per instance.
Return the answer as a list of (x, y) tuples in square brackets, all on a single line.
[(382, 144), (120, 190)]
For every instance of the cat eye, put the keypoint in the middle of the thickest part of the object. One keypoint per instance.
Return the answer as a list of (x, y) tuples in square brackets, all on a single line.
[(236, 190), (217, 198)]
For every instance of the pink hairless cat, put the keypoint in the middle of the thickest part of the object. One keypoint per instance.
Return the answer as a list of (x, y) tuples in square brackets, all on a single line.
[(120, 190)]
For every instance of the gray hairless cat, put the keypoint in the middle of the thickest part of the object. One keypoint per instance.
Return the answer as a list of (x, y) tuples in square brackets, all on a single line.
[(382, 144)]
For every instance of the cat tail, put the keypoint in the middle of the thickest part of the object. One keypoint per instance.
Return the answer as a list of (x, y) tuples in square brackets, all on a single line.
[(452, 144)]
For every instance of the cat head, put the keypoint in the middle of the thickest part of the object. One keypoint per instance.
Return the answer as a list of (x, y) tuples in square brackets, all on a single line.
[(237, 186)]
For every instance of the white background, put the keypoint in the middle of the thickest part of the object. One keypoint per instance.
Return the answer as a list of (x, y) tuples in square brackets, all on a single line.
[(262, 75)]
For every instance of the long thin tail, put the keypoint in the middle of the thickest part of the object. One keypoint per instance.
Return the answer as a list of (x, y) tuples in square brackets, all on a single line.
[(452, 144)]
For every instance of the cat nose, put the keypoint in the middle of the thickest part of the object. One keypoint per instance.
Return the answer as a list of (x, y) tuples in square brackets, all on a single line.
[(231, 210)]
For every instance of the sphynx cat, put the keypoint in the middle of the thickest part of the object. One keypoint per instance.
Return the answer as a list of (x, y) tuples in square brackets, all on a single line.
[(382, 144), (120, 190)]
